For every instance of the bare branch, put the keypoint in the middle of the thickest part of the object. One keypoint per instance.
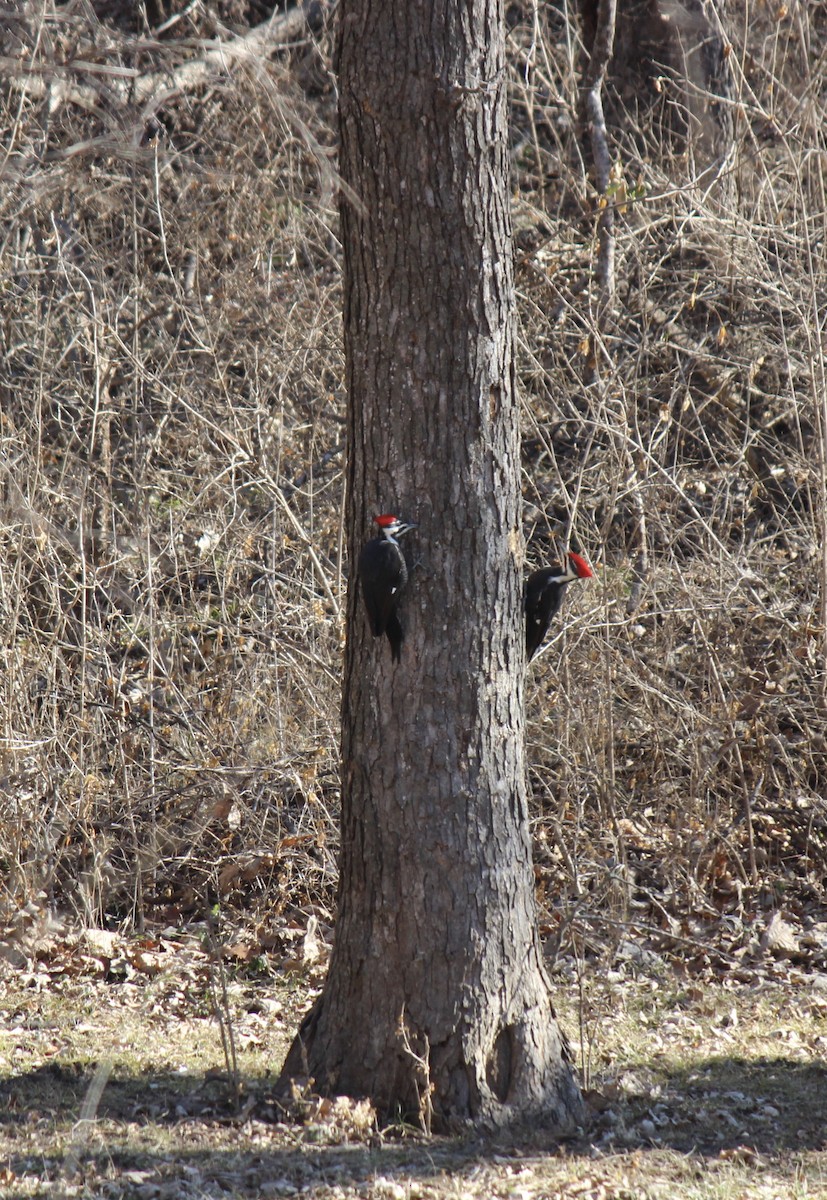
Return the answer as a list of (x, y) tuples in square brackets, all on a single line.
[(125, 87), (601, 53)]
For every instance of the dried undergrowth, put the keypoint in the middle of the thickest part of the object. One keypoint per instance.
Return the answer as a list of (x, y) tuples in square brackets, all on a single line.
[(171, 576)]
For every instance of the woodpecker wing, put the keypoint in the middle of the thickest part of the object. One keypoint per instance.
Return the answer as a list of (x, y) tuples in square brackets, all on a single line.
[(383, 574), (544, 592)]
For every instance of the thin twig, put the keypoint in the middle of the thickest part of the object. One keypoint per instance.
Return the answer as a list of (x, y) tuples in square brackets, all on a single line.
[(422, 1061)]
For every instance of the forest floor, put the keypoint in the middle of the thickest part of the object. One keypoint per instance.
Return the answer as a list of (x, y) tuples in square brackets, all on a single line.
[(116, 1083)]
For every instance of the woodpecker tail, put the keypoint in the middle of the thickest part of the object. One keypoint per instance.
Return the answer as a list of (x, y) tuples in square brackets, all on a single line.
[(395, 636)]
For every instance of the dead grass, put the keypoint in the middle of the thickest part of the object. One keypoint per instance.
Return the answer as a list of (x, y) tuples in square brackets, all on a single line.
[(708, 1090)]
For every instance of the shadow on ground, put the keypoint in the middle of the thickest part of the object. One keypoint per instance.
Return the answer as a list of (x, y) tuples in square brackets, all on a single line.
[(164, 1126), (771, 1105)]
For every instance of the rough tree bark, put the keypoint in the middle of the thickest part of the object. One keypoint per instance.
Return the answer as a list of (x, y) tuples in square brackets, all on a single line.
[(436, 999)]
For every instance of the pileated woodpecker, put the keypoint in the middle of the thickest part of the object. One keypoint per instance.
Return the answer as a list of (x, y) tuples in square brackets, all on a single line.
[(544, 592), (383, 574)]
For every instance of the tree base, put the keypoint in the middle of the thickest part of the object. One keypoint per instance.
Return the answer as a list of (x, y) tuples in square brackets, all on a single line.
[(527, 1076)]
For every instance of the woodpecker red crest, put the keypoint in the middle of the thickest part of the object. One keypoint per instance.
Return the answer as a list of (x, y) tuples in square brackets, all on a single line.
[(544, 592), (383, 573), (390, 524)]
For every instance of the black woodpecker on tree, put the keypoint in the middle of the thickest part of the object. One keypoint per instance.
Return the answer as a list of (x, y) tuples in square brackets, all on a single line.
[(544, 592), (383, 574)]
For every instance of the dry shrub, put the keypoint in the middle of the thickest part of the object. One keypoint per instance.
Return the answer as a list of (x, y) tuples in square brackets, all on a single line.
[(678, 757), (172, 422), (172, 443)]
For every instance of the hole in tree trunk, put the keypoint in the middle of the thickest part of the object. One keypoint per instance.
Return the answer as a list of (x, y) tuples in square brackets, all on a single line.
[(499, 1067)]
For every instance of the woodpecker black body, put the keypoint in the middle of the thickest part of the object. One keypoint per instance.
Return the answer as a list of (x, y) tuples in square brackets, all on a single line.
[(544, 592), (383, 573)]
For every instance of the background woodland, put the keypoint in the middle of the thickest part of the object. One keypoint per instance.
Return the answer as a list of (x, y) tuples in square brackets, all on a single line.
[(171, 438)]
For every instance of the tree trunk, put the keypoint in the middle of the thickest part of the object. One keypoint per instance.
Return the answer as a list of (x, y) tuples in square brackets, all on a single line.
[(436, 1001)]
